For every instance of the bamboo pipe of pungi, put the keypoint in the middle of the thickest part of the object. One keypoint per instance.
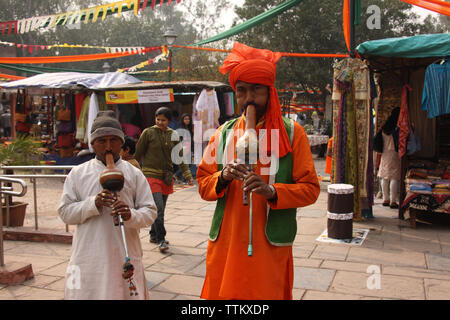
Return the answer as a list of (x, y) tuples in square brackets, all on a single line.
[(247, 152)]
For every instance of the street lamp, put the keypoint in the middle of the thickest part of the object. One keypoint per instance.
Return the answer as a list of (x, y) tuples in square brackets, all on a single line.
[(170, 37)]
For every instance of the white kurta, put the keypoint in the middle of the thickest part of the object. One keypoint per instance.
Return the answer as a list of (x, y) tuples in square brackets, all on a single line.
[(390, 164), (98, 253)]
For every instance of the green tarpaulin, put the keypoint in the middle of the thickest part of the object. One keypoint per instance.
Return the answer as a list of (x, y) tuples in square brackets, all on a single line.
[(421, 46)]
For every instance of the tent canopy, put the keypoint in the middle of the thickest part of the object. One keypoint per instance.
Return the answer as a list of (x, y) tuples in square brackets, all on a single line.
[(420, 46), (70, 80)]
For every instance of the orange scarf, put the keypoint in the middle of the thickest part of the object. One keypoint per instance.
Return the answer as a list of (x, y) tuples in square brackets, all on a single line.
[(259, 66)]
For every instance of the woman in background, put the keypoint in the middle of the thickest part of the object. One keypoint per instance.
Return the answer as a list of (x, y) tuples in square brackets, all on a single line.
[(390, 163), (187, 136)]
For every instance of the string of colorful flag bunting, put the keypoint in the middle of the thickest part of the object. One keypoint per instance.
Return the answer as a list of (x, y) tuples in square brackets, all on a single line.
[(76, 16), (161, 57), (36, 47)]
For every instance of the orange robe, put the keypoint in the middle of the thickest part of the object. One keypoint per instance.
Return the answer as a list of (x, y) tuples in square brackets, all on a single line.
[(268, 274)]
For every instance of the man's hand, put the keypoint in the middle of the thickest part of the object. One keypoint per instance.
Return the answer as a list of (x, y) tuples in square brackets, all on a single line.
[(235, 170), (254, 183), (104, 198), (120, 208)]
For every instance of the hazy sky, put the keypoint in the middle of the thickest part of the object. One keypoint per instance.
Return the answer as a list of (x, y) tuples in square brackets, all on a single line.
[(420, 11)]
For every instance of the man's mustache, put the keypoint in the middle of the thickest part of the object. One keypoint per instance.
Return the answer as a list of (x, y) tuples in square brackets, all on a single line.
[(253, 104)]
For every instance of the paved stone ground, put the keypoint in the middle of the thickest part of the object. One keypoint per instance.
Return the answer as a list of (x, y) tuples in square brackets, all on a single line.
[(413, 263)]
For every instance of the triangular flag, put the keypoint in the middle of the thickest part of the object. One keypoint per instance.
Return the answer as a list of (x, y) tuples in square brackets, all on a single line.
[(153, 4), (144, 5)]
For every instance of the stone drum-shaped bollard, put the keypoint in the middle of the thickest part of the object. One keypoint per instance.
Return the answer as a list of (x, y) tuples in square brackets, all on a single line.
[(340, 211)]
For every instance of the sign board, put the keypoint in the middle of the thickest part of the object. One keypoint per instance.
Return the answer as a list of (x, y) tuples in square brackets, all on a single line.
[(139, 96)]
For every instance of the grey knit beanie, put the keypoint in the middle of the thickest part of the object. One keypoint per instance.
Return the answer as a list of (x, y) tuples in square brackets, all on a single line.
[(106, 124)]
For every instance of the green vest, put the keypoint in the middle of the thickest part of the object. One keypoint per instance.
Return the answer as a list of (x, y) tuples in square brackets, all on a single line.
[(281, 225)]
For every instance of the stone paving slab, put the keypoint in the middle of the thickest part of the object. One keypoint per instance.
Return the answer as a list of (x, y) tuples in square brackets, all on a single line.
[(38, 263), (155, 278), (29, 293), (199, 270), (321, 295), (437, 289), (312, 278), (345, 266), (182, 284), (41, 281), (311, 263), (158, 295), (330, 252), (393, 287), (297, 294), (303, 250), (438, 262), (176, 264), (429, 246), (416, 272), (387, 257)]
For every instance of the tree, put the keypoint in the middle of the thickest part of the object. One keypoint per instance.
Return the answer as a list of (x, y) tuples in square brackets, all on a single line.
[(316, 27), (192, 21)]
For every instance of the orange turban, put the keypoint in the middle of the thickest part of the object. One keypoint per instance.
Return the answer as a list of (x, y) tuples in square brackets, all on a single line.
[(259, 66)]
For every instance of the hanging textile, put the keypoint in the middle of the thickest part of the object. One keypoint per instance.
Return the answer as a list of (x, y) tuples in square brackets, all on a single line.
[(403, 122), (93, 110), (351, 144), (436, 89), (207, 111)]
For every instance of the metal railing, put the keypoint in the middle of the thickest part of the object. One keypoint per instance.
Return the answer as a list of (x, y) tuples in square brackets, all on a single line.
[(33, 178), (9, 191)]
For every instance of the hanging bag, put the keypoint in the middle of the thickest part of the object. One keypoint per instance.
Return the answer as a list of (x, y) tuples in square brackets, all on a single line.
[(63, 114), (66, 140), (65, 127)]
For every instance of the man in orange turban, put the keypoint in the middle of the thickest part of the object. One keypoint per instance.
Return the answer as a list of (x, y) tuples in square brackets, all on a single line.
[(249, 254)]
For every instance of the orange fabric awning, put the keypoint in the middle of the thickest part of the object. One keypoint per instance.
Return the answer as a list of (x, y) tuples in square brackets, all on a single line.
[(346, 23), (438, 6), (10, 76)]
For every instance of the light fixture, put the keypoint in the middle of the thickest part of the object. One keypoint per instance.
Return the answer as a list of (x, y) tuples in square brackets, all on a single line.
[(106, 67), (170, 36)]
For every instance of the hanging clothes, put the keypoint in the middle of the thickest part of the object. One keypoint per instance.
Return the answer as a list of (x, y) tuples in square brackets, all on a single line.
[(207, 112), (352, 130), (82, 119), (436, 89), (92, 114), (403, 122)]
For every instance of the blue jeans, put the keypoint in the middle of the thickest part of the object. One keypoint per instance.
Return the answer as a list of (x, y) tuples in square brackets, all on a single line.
[(157, 230)]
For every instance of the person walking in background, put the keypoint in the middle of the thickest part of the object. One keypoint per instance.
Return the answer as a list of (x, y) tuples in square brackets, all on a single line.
[(186, 133), (154, 150), (5, 121), (173, 123), (390, 169), (128, 150)]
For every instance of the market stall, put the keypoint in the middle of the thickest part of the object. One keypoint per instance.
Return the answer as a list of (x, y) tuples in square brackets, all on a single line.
[(49, 106), (414, 74)]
